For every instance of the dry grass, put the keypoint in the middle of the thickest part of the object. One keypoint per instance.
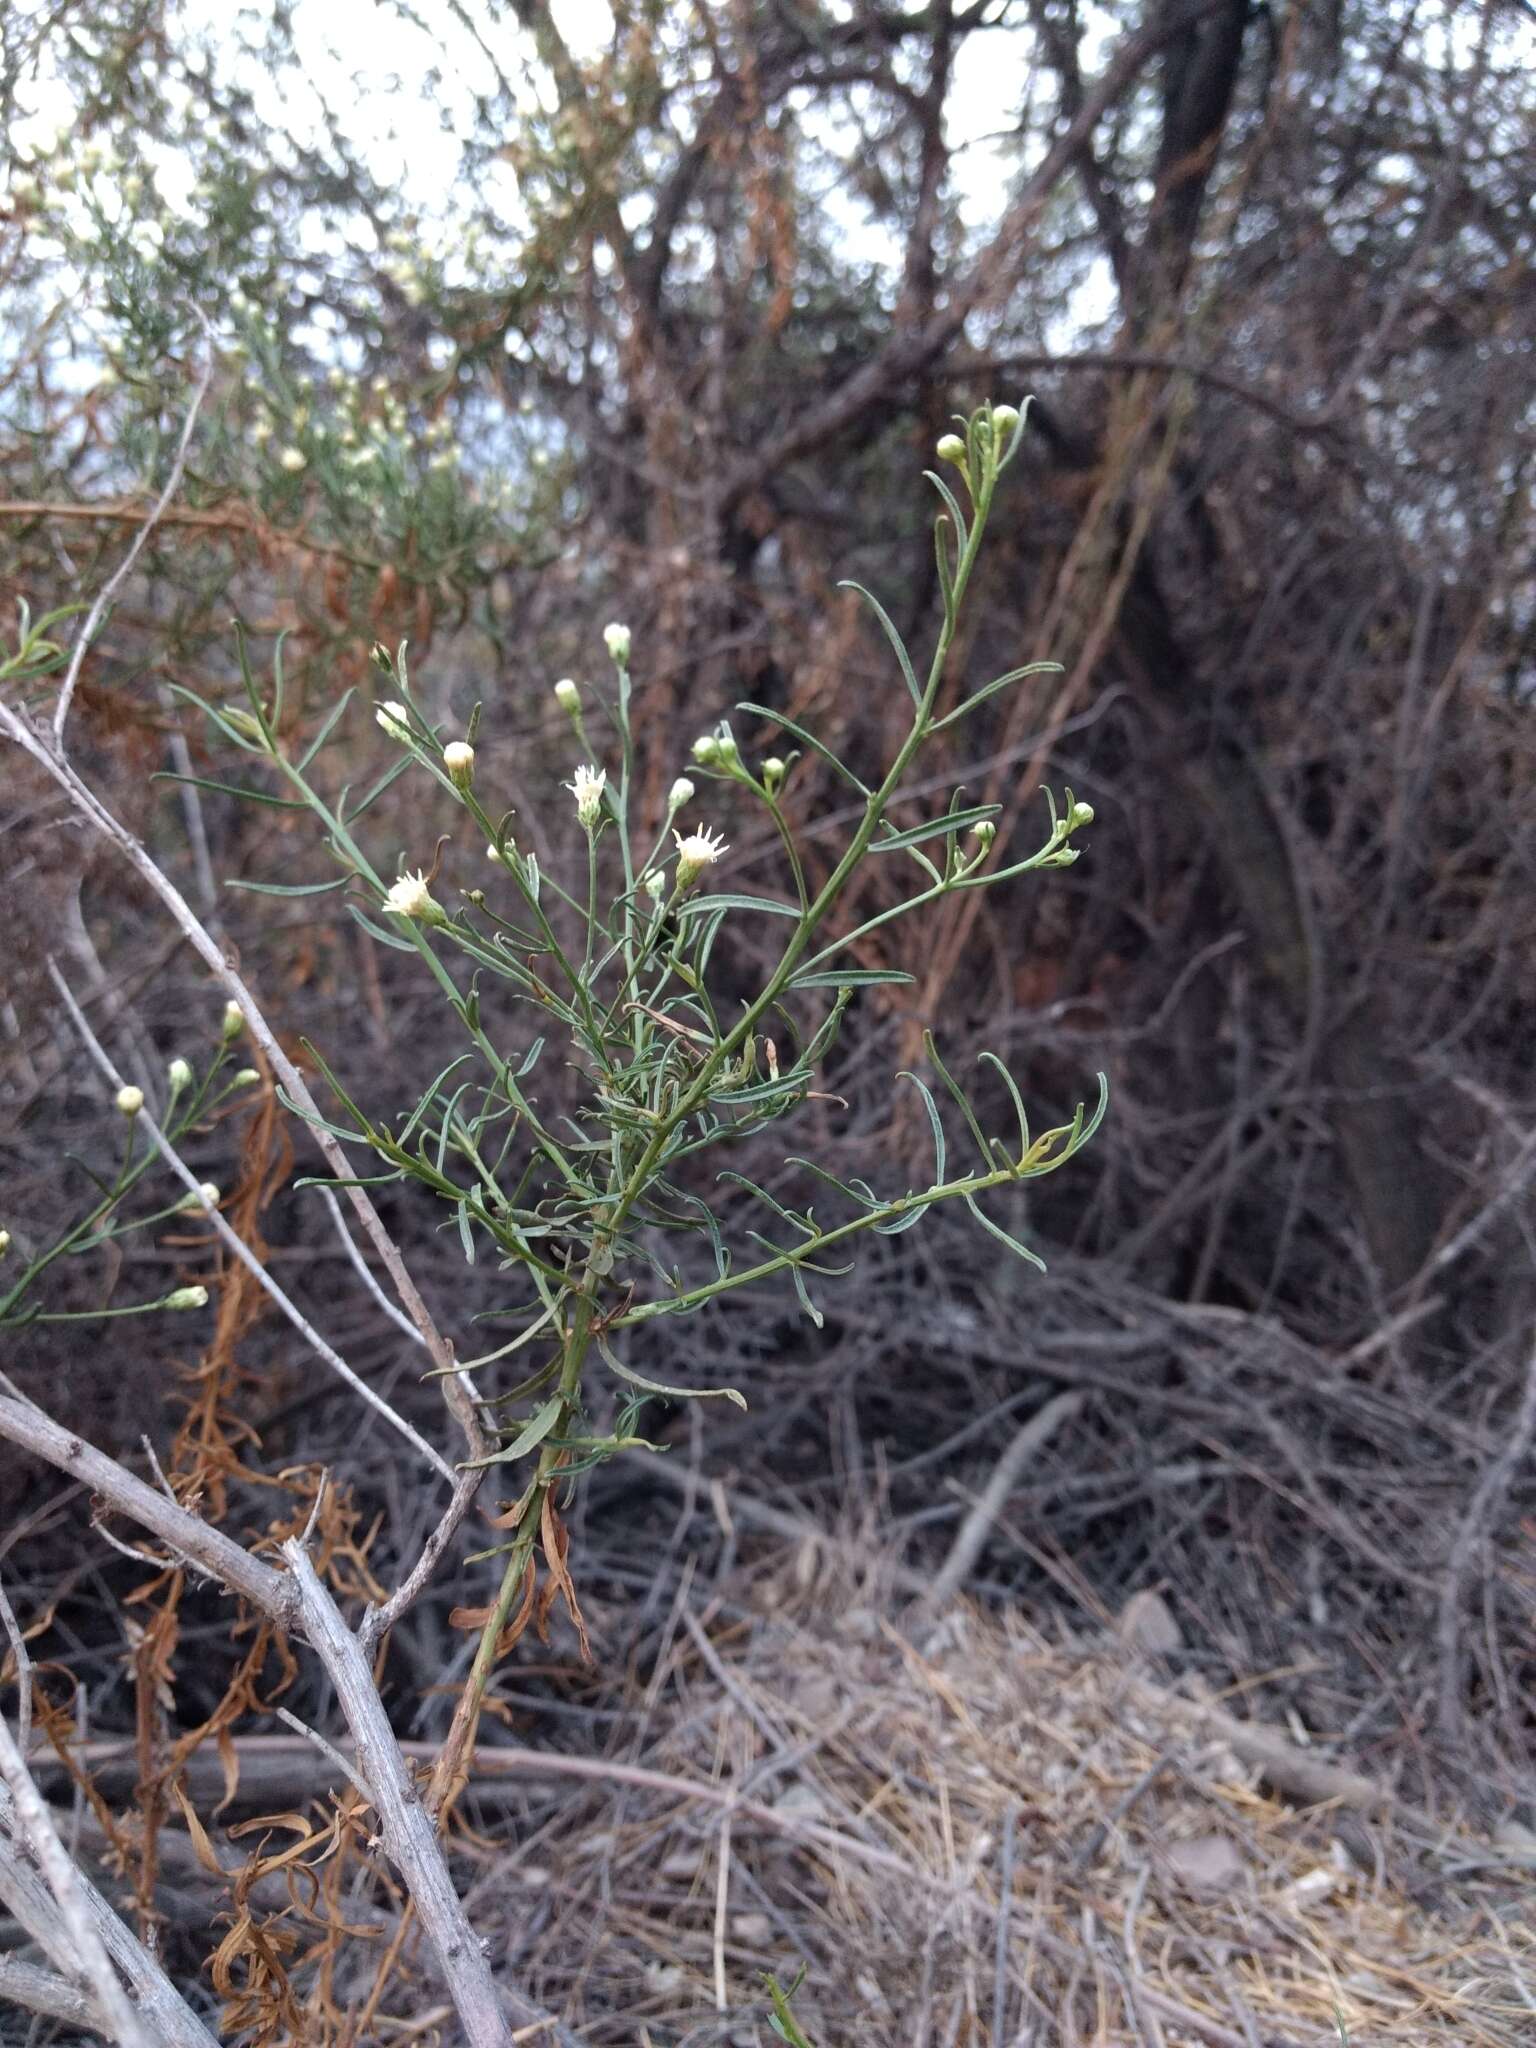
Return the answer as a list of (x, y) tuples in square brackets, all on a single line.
[(894, 1795)]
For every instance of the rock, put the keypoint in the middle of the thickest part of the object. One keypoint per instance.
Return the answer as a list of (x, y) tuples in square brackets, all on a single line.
[(1147, 1624), (1206, 1865)]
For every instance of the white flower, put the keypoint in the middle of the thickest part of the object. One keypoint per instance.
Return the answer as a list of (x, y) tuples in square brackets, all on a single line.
[(130, 1100), (410, 897), (588, 792), (459, 760), (616, 640), (394, 718), (179, 1076), (247, 1078), (292, 459), (234, 1023), (679, 794), (187, 1297), (567, 696), (700, 850), (207, 1197), (5, 1242)]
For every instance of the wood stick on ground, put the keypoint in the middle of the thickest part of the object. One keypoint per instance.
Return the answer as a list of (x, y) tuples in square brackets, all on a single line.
[(974, 1530)]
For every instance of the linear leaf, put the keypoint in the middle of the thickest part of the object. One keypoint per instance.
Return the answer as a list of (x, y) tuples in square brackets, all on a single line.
[(996, 1230), (852, 977), (528, 1438), (816, 746), (887, 626), (288, 888), (701, 906), (254, 796), (1032, 668), (937, 828)]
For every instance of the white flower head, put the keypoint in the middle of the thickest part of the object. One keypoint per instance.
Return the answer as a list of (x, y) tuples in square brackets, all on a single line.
[(394, 718), (247, 1078), (679, 794), (588, 792), (233, 1024), (178, 1075), (5, 1242), (567, 696), (293, 460), (130, 1100), (187, 1297), (410, 897), (459, 760), (700, 850), (616, 639), (207, 1197), (655, 885)]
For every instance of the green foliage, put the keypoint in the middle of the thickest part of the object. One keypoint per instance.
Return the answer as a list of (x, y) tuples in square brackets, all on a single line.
[(617, 962)]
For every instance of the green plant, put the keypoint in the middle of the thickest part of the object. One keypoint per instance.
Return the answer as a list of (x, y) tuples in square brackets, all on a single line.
[(621, 965)]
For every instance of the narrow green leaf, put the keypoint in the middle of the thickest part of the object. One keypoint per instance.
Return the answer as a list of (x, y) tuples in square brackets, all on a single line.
[(958, 1094), (937, 828), (528, 1438), (326, 729), (637, 1379), (810, 739), (253, 796), (996, 1230), (992, 1060), (887, 626), (288, 888), (939, 1148), (1033, 668), (851, 977), (702, 906)]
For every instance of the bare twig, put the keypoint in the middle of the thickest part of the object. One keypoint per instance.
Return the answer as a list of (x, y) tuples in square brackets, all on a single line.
[(54, 1997), (410, 1840), (39, 746), (379, 1620), (34, 1828), (98, 611), (165, 2012), (23, 1674), (974, 1530), (26, 1425), (236, 1245)]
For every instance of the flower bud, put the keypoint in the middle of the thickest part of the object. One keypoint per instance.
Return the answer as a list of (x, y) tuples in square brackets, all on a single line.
[(395, 719), (984, 833), (493, 853), (726, 753), (178, 1075), (951, 449), (5, 1242), (616, 640), (774, 772), (706, 750), (130, 1100), (679, 794), (459, 760), (1080, 814), (247, 1078), (1004, 419), (186, 1297), (567, 696), (207, 1197), (655, 885), (233, 1024), (378, 654)]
